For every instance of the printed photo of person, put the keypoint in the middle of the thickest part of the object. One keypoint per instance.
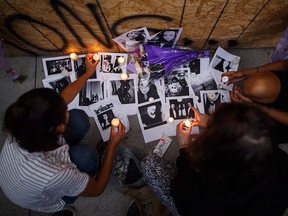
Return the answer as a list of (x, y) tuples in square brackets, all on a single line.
[(130, 40), (182, 109), (176, 83), (105, 119), (146, 88), (91, 93), (60, 84), (106, 64), (57, 66), (151, 115), (80, 68), (166, 38)]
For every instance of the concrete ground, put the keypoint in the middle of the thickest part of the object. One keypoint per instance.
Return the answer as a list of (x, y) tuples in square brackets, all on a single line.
[(111, 202)]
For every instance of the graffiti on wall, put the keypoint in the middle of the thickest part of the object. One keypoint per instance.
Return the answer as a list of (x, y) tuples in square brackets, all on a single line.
[(95, 10)]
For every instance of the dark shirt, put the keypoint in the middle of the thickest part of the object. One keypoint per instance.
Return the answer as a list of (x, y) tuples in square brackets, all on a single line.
[(281, 103), (194, 196)]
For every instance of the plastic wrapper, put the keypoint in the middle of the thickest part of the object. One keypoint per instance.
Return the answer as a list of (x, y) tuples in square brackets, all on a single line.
[(164, 60)]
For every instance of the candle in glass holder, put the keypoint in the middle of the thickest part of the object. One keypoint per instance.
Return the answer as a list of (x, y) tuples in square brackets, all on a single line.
[(225, 79), (115, 122), (121, 60), (187, 123), (124, 76), (171, 119), (96, 57), (73, 56)]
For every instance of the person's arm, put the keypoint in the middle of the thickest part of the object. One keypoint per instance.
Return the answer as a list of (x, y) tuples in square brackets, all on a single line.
[(95, 187), (235, 77), (70, 92), (278, 115)]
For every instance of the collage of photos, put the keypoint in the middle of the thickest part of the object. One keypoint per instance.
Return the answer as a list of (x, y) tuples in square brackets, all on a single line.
[(160, 100)]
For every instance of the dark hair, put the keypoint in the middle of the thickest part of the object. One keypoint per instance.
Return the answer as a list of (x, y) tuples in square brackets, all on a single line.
[(34, 117), (236, 147)]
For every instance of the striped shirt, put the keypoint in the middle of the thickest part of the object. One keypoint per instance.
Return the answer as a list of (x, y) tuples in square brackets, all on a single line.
[(38, 180)]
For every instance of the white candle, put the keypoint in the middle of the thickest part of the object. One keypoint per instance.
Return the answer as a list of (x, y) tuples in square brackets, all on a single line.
[(124, 76), (121, 60), (73, 56), (171, 119), (115, 122), (187, 123), (96, 57), (225, 79), (151, 99)]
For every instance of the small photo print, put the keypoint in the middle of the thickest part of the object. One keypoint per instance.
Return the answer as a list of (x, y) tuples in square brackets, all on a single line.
[(151, 115), (212, 99), (80, 68), (181, 109), (91, 93), (223, 61), (176, 83), (105, 119), (57, 65), (112, 63), (124, 90), (103, 113), (166, 38), (147, 88), (129, 41)]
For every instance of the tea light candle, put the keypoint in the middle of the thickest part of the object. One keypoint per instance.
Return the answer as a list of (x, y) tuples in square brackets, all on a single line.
[(121, 60), (151, 99), (171, 119), (187, 123), (73, 56), (225, 79), (124, 76), (96, 57), (115, 122)]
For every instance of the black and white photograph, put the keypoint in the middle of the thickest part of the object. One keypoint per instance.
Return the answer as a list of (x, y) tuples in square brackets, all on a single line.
[(221, 62), (212, 99), (124, 90), (80, 68), (105, 119), (103, 113), (181, 109), (57, 65), (166, 38), (91, 93), (151, 115), (123, 94), (147, 88), (58, 83), (176, 83), (112, 64), (201, 78), (130, 40)]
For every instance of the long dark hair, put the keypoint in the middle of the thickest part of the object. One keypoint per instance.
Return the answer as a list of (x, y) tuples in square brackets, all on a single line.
[(34, 117), (237, 146)]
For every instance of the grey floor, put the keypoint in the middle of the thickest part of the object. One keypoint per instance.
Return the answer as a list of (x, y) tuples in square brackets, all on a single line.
[(111, 202)]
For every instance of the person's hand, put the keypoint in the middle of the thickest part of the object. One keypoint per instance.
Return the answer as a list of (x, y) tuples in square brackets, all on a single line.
[(183, 136), (90, 64), (200, 119), (117, 134), (238, 97), (233, 77)]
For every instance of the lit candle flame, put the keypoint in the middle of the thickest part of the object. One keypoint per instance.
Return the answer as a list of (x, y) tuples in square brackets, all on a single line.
[(115, 122), (171, 119), (73, 56), (124, 76), (187, 123), (121, 60), (96, 57)]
